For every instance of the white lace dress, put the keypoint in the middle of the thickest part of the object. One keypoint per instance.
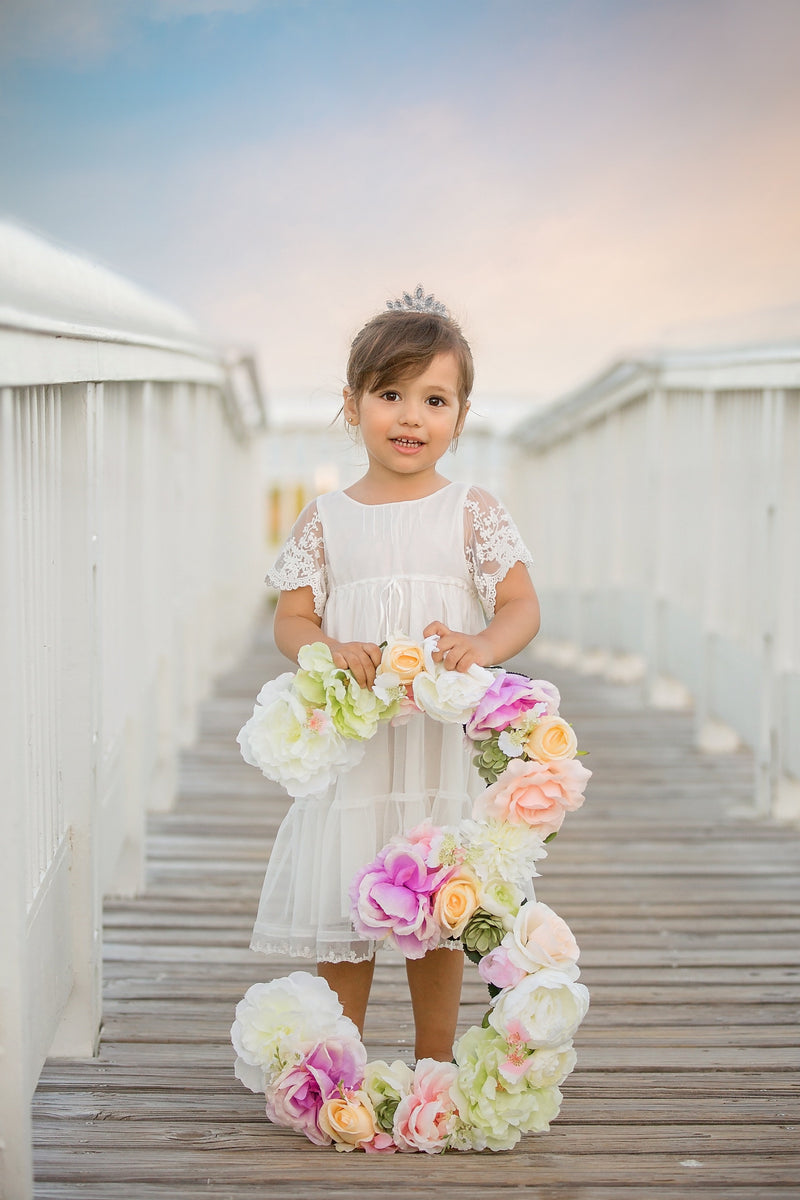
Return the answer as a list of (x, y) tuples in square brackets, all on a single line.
[(377, 570)]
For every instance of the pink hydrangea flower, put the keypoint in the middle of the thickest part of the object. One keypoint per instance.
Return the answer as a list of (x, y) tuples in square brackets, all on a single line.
[(296, 1095), (392, 898), (422, 836), (507, 699)]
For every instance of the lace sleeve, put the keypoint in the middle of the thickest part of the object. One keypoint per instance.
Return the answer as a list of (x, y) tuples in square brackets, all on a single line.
[(492, 544), (301, 562)]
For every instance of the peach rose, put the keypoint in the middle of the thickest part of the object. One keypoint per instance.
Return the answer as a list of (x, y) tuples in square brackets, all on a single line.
[(456, 901), (551, 739), (403, 658), (535, 794), (349, 1120)]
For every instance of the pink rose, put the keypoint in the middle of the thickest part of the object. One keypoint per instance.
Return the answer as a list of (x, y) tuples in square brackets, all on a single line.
[(535, 794), (507, 699), (425, 1118), (498, 969)]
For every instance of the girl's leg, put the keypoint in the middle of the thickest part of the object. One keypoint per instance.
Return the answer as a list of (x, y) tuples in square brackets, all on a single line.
[(351, 982), (435, 985)]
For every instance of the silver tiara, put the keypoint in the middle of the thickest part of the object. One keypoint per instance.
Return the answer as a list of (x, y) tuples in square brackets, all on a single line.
[(419, 302)]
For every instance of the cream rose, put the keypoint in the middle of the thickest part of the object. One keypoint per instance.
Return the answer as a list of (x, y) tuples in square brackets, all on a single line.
[(348, 1120), (403, 658), (456, 901), (540, 938), (551, 739)]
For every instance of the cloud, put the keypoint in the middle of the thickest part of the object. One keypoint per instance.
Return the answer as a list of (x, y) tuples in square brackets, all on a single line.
[(84, 32), (568, 197), (81, 30), (279, 244)]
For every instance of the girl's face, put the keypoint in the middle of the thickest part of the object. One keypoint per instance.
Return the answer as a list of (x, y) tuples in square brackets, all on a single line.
[(409, 425)]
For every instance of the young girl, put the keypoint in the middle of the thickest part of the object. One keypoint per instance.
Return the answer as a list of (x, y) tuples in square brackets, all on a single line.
[(402, 551)]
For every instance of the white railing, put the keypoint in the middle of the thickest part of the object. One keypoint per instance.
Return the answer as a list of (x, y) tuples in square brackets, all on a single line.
[(132, 549), (663, 501)]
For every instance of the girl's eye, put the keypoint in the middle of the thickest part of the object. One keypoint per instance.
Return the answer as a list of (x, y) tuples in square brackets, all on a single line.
[(390, 395), (436, 401)]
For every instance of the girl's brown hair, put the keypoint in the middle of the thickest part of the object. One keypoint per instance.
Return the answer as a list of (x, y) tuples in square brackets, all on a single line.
[(397, 344)]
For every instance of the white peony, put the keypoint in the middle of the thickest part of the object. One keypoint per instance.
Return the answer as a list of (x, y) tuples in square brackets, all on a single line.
[(544, 1009), (275, 691), (296, 746), (277, 1021), (449, 696)]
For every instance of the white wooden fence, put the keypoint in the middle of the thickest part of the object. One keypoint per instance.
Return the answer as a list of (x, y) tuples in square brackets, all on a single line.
[(663, 501), (130, 512)]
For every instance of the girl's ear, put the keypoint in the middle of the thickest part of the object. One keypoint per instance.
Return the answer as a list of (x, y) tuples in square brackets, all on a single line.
[(462, 418), (350, 407)]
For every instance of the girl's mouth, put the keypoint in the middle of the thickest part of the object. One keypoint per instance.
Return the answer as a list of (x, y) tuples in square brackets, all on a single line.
[(407, 444)]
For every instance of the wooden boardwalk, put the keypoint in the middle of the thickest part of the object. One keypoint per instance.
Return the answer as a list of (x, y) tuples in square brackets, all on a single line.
[(688, 916)]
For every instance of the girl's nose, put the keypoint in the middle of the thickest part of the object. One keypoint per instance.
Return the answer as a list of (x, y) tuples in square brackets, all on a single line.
[(411, 415)]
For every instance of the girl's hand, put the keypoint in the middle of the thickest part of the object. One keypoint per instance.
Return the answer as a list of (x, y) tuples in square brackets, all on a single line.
[(360, 658), (458, 651)]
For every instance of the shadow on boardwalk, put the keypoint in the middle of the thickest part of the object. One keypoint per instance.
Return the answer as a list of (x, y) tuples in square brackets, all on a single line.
[(688, 917)]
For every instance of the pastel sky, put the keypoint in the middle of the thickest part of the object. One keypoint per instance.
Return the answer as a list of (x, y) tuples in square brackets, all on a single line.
[(574, 178)]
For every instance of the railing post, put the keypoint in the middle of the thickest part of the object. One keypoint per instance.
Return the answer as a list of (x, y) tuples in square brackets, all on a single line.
[(16, 1178), (81, 703), (709, 459), (654, 503), (769, 571)]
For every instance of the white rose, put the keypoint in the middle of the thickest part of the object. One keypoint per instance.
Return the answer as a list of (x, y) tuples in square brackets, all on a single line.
[(545, 1008), (449, 696)]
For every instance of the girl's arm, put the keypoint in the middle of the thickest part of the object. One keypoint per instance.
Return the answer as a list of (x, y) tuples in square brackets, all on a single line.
[(514, 625), (297, 625)]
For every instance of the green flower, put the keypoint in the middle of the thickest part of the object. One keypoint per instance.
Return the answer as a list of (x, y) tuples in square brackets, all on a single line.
[(497, 1109), (386, 1086), (354, 711), (317, 673), (317, 659), (482, 933)]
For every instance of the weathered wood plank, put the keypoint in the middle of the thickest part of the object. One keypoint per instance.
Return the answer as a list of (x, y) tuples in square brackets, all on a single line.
[(294, 1191), (275, 1162), (236, 1105)]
